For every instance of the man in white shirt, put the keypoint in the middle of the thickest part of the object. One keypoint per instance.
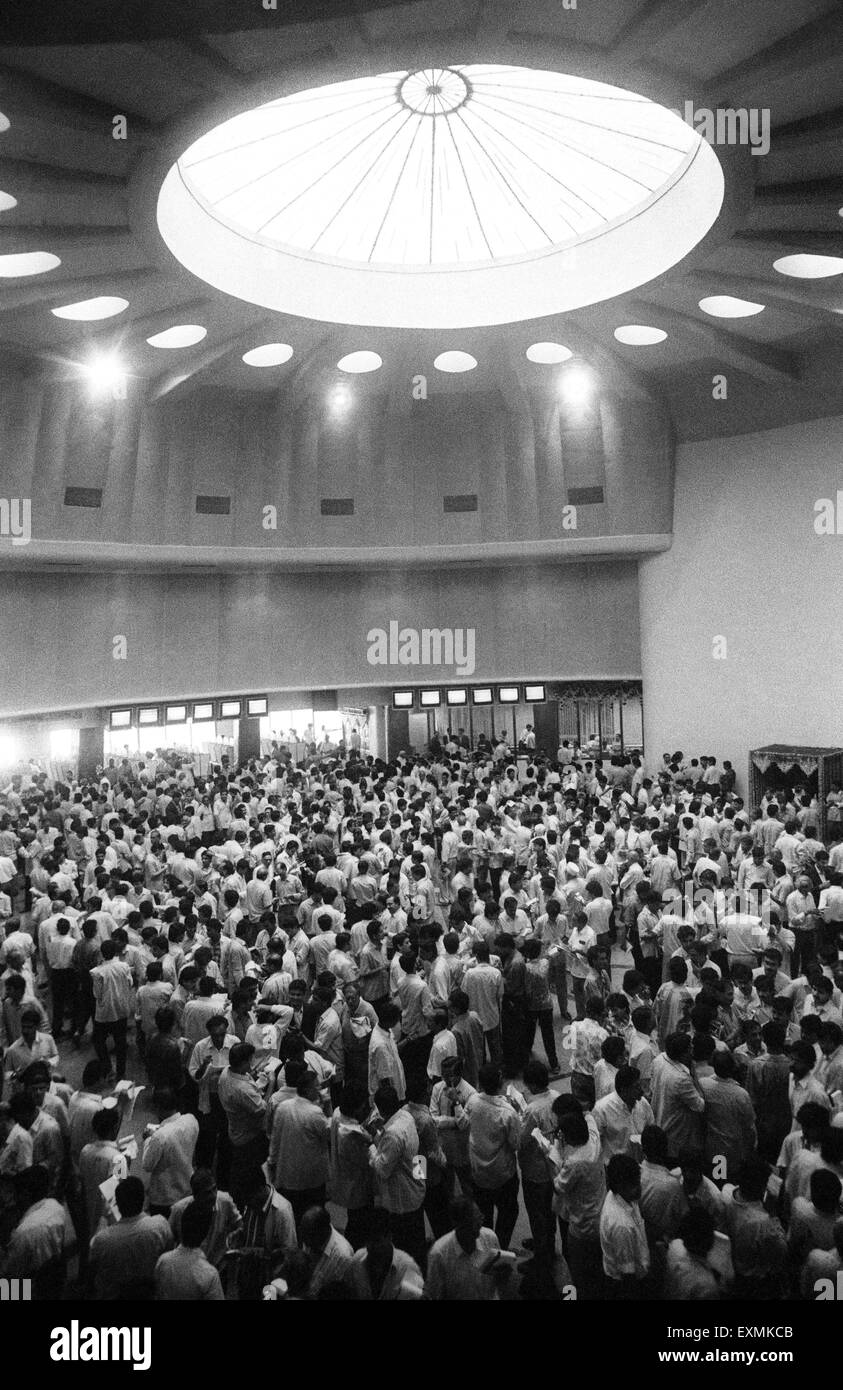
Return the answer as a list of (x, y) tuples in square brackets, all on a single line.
[(168, 1154), (113, 1006), (622, 1114), (623, 1239)]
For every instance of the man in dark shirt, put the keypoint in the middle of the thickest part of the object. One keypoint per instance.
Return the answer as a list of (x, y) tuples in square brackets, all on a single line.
[(513, 1005)]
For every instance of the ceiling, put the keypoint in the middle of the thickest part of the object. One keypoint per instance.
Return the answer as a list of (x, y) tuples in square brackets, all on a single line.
[(89, 198)]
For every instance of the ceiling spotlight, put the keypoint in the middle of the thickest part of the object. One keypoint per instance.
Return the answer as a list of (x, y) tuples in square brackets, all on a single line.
[(576, 385), (548, 353), (639, 335), (27, 263), (7, 202), (106, 375), (360, 362), (725, 306), (805, 267), (4, 122), (103, 307), (454, 361), (269, 355), (340, 397), (183, 335)]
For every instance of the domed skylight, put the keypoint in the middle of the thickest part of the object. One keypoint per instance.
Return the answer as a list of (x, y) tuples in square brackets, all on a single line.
[(363, 201)]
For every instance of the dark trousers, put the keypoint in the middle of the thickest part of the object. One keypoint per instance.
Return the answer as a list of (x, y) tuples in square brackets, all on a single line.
[(538, 1201), (246, 1161), (407, 1229), (804, 950), (414, 1056), (117, 1031), (357, 1226), (585, 1261), (543, 1020), (63, 987), (514, 1035), (504, 1200), (302, 1198), (214, 1143), (436, 1208), (83, 1010)]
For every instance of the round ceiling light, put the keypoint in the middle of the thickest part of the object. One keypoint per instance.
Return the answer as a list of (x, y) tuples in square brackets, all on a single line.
[(725, 306), (639, 335), (7, 202), (369, 201), (4, 122), (103, 307), (360, 362), (807, 267), (548, 353), (183, 335), (27, 263), (269, 355), (454, 361)]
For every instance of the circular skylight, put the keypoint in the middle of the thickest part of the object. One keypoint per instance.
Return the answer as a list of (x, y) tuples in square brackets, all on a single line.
[(725, 306), (805, 267), (103, 307), (454, 361), (7, 202), (366, 201), (4, 122), (548, 353), (27, 263), (360, 362), (269, 355), (182, 335), (639, 335)]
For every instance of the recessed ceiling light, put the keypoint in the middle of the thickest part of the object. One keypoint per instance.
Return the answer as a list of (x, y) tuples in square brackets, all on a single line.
[(454, 361), (183, 335), (725, 306), (639, 335), (548, 352), (805, 267), (360, 362), (7, 201), (105, 306), (576, 384), (269, 355), (4, 122), (105, 373), (27, 263)]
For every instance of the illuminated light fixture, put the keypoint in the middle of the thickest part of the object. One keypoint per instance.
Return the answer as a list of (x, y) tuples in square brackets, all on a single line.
[(230, 709), (257, 705), (8, 749), (457, 697), (454, 361), (534, 694), (482, 695), (182, 335), (806, 267), (639, 335), (120, 719), (27, 263), (175, 714), (4, 122), (725, 306), (7, 202), (548, 353), (402, 699), (149, 715), (105, 306), (203, 711), (340, 398), (509, 694), (270, 355), (105, 374), (430, 699), (576, 385), (360, 362)]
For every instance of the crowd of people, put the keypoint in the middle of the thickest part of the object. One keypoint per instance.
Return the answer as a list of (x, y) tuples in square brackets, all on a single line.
[(342, 1029)]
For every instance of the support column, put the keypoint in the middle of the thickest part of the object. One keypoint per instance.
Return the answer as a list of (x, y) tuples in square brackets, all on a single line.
[(248, 738)]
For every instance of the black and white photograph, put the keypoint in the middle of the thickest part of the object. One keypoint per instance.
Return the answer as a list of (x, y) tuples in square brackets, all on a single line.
[(421, 708)]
